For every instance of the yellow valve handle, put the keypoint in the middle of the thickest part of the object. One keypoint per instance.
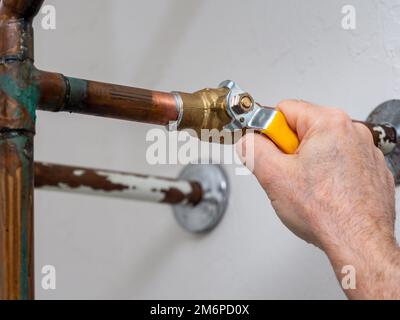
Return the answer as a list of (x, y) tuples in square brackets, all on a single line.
[(281, 134)]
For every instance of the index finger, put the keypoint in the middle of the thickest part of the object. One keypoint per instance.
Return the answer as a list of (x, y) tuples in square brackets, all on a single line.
[(299, 114)]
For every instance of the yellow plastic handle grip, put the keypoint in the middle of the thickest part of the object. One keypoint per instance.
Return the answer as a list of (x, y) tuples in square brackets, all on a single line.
[(280, 133)]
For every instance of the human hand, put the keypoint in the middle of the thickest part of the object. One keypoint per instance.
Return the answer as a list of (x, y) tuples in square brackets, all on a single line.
[(336, 191)]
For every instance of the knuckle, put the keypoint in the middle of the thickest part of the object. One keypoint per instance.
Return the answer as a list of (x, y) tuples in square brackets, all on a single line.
[(305, 104), (338, 115), (337, 118), (287, 103), (364, 132), (293, 103)]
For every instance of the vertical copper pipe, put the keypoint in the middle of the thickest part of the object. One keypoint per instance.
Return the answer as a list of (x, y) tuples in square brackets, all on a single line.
[(19, 95), (20, 9), (16, 217)]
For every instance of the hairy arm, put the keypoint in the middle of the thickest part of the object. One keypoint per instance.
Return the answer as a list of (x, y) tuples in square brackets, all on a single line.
[(335, 192)]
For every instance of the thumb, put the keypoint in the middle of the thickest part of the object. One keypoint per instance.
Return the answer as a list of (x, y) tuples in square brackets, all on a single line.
[(262, 157)]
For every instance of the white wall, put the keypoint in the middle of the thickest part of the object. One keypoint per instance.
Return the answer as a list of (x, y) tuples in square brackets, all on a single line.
[(106, 248)]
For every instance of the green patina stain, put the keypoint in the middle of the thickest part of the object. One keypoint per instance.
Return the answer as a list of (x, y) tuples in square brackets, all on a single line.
[(78, 89), (77, 84), (27, 97)]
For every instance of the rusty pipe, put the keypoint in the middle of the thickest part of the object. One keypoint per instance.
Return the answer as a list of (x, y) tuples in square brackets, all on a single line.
[(199, 196), (116, 184)]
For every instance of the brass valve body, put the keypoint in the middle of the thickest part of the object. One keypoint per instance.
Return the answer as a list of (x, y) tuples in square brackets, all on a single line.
[(204, 109)]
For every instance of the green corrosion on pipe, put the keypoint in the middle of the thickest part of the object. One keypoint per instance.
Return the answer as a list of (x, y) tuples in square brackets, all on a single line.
[(77, 91), (21, 92), (27, 97)]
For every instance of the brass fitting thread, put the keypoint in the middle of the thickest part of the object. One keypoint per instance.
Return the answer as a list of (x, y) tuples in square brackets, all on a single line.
[(204, 109)]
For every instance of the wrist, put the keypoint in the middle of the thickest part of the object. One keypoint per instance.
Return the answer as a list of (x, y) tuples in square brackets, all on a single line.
[(376, 267)]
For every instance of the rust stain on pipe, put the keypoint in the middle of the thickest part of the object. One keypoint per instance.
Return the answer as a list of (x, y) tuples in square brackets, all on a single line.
[(23, 89), (175, 196), (384, 135), (116, 184), (50, 175)]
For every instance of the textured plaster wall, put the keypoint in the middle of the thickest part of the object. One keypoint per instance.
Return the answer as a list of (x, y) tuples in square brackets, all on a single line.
[(105, 248)]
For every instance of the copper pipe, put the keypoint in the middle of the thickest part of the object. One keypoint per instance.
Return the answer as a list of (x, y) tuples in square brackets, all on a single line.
[(18, 100), (60, 93), (204, 109), (116, 184), (19, 9), (16, 217), (24, 89)]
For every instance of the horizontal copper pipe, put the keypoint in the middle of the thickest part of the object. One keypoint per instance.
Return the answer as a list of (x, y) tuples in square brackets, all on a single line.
[(116, 184), (60, 93), (201, 110)]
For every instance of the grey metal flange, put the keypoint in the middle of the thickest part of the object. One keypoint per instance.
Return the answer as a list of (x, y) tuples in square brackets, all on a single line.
[(389, 112), (206, 215)]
